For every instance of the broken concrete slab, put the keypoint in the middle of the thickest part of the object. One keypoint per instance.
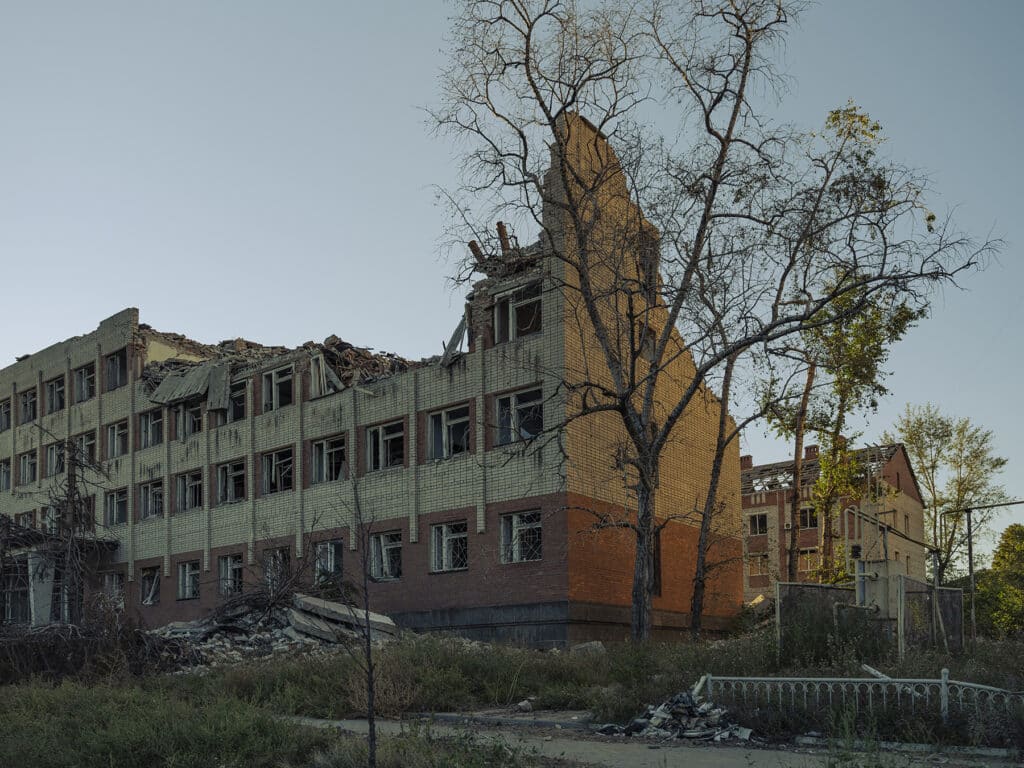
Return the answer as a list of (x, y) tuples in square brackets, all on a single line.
[(343, 614), (314, 627)]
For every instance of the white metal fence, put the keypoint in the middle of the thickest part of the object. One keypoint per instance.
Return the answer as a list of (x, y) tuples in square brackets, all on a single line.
[(870, 694)]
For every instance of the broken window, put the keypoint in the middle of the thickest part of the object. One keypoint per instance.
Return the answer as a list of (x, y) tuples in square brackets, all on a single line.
[(116, 370), (5, 415), (236, 402), (50, 520), (5, 474), (188, 580), (520, 416), (113, 588), (189, 490), (27, 411), (320, 382), (277, 471), (54, 394), (329, 460), (151, 500), (231, 482), (517, 314), (449, 432), (26, 519), (188, 420), (117, 439), (230, 574), (85, 382), (16, 592), (808, 518), (54, 459), (328, 566), (27, 468), (149, 586), (758, 565), (386, 555), (758, 524), (808, 559), (520, 537), (277, 389), (151, 428), (385, 446), (449, 547), (276, 564), (115, 510), (85, 447)]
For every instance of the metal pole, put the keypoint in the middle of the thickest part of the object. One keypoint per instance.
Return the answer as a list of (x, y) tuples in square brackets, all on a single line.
[(970, 570)]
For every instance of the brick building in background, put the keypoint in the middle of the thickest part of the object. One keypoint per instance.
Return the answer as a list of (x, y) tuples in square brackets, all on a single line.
[(886, 523), (224, 463)]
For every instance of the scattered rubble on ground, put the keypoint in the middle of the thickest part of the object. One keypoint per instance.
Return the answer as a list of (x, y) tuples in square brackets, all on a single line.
[(309, 624), (684, 716)]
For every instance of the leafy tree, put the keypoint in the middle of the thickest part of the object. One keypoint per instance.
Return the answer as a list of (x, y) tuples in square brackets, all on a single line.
[(1001, 588), (956, 468), (749, 231)]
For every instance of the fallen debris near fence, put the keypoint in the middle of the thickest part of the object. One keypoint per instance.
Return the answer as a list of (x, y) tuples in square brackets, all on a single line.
[(310, 623), (684, 716)]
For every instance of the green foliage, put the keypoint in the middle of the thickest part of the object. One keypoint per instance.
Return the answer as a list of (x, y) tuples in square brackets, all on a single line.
[(956, 466), (1001, 592), (104, 726)]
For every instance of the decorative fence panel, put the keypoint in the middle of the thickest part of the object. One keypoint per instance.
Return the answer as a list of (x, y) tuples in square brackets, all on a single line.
[(869, 695)]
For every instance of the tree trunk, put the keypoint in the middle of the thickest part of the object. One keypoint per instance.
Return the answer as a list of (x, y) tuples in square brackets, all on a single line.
[(798, 469), (710, 506), (640, 627), (837, 447)]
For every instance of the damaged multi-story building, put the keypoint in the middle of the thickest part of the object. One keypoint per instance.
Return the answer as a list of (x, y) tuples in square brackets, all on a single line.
[(206, 468)]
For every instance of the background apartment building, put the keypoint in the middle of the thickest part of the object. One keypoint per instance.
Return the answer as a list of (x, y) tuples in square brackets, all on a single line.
[(885, 523), (460, 477)]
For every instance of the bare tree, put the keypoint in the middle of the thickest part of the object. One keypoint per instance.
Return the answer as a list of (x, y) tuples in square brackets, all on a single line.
[(744, 225)]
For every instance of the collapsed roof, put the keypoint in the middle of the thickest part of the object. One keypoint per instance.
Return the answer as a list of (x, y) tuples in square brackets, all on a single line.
[(779, 475)]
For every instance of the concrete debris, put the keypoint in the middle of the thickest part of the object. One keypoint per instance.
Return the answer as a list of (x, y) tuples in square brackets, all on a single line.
[(339, 613), (684, 716), (594, 647), (251, 634), (524, 706)]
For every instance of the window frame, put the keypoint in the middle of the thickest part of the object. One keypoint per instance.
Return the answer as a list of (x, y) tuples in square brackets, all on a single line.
[(441, 425), (56, 459), (513, 528), (5, 414), (378, 442), (328, 561), (150, 595), (276, 566), (762, 559), (189, 574), (228, 471), (272, 392), (115, 370), (184, 484), (812, 559), (26, 461), (6, 479), (117, 436), (188, 419), (382, 545), (151, 500), (151, 428), (112, 513), (85, 444), (809, 515), (507, 308), (278, 471), (113, 587), (84, 382), (322, 453), (230, 574), (759, 517), (28, 406), (443, 543), (512, 432), (55, 394)]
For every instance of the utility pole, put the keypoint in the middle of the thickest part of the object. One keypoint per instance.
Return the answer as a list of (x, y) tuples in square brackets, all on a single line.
[(970, 570)]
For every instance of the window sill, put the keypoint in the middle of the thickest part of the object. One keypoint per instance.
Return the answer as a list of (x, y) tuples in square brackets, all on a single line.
[(187, 599), (448, 570), (147, 518)]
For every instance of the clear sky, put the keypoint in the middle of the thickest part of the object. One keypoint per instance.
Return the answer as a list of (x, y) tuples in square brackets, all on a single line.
[(265, 169)]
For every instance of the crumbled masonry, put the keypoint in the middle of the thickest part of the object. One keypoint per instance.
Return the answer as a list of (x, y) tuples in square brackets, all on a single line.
[(244, 633), (684, 716)]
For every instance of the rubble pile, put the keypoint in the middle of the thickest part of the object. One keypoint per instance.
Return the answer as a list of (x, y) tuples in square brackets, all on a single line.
[(356, 364), (242, 633), (683, 716)]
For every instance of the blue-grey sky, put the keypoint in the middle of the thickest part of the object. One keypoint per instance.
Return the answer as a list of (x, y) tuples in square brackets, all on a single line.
[(264, 169)]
